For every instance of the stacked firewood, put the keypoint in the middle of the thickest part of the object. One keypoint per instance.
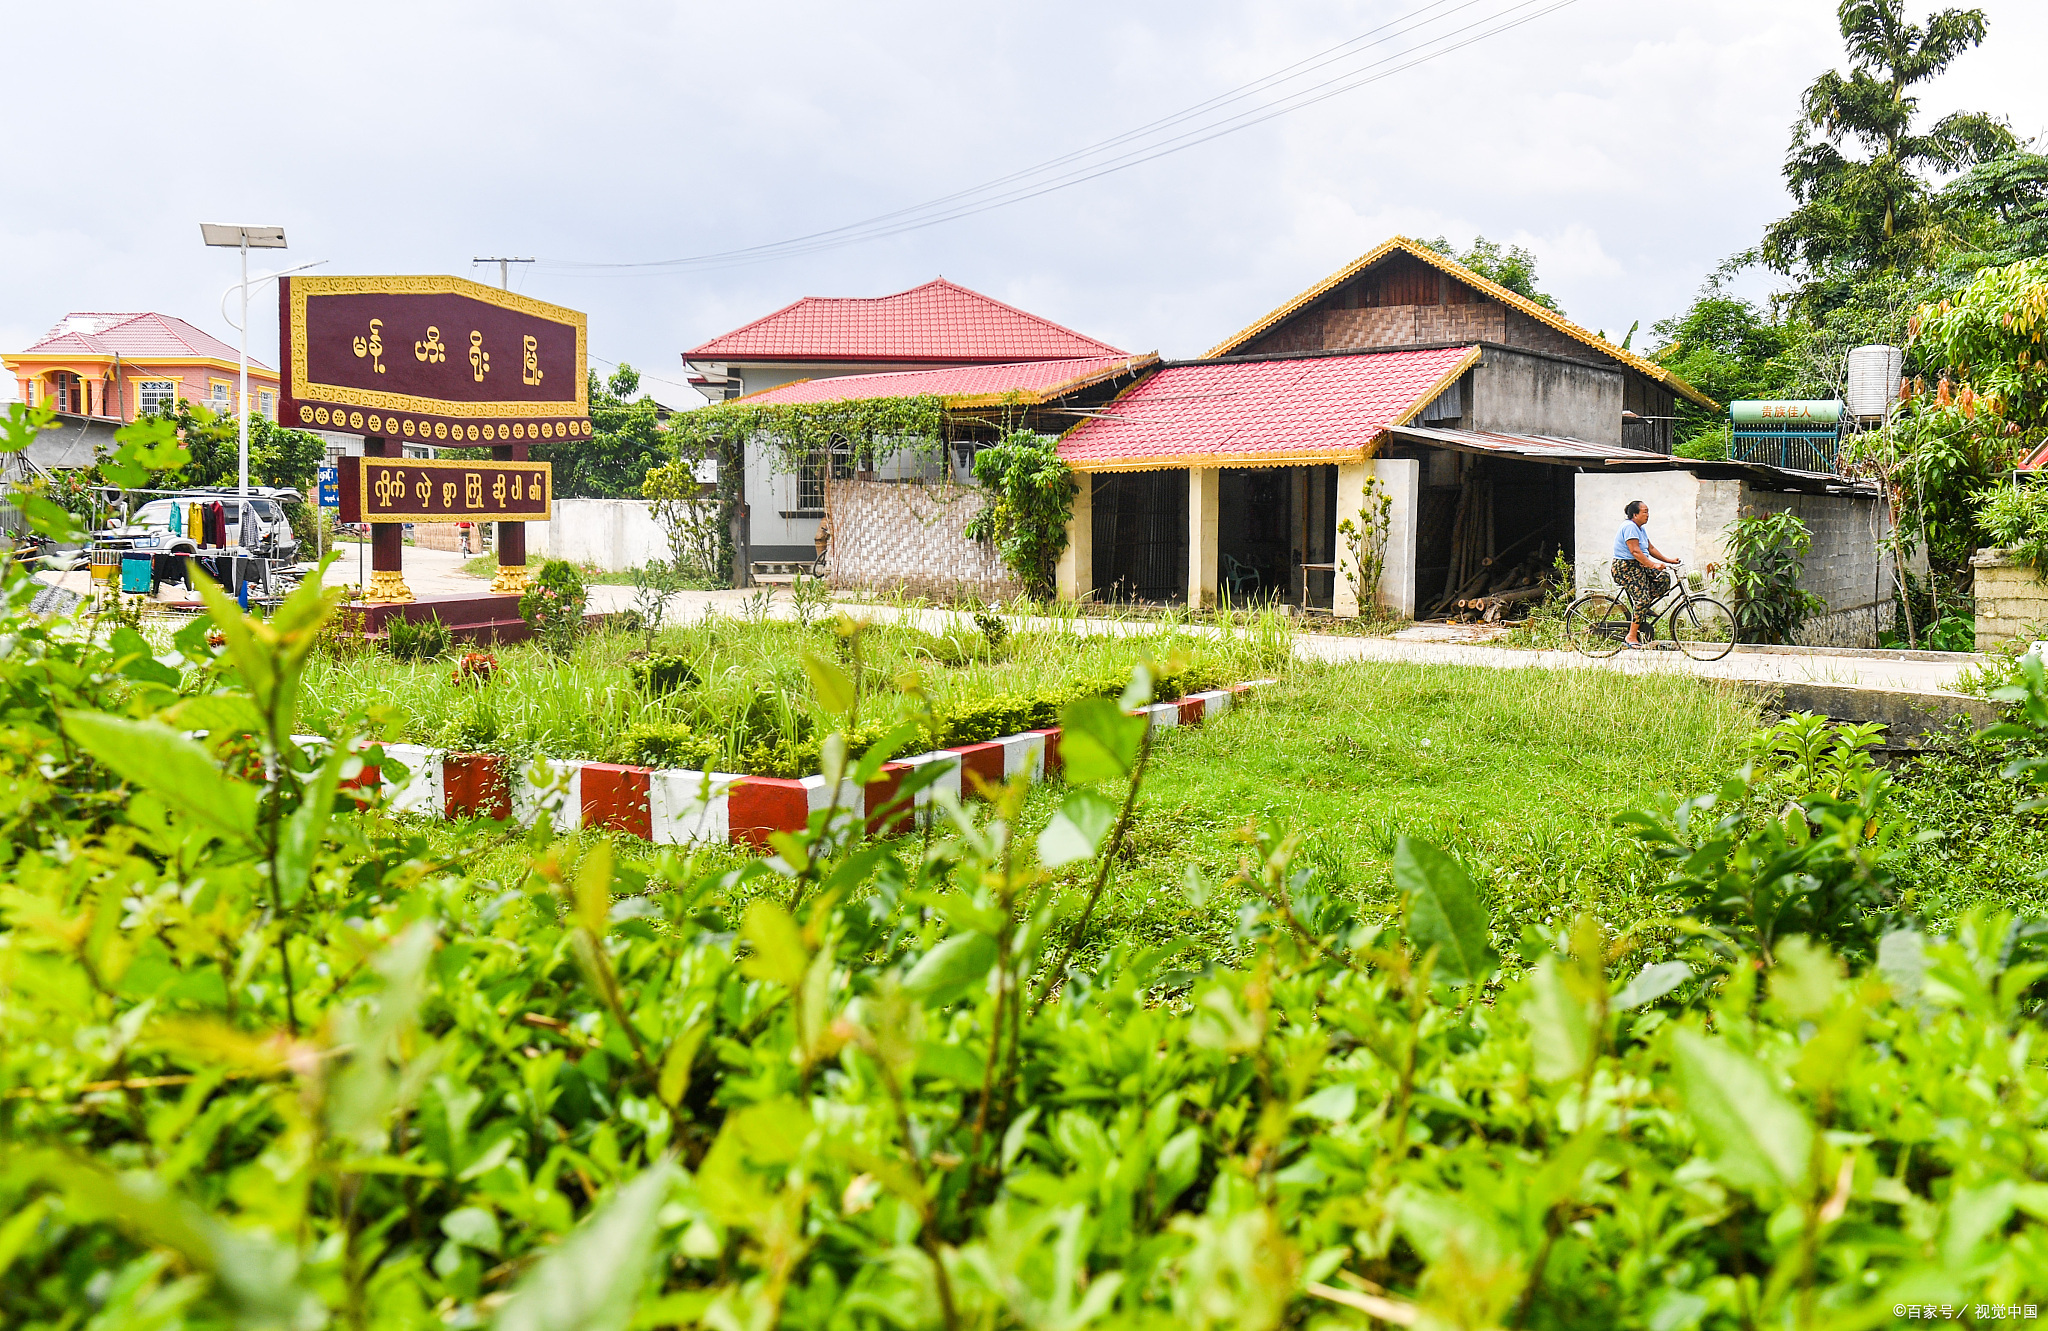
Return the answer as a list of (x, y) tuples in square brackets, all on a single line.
[(1500, 587)]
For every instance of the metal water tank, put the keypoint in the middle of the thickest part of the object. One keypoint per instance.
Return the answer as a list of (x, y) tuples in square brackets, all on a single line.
[(1873, 381)]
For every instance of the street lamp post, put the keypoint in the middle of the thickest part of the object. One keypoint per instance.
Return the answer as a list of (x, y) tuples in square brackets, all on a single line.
[(244, 238)]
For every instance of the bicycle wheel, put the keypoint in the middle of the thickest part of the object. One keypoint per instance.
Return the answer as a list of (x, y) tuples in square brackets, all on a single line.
[(1703, 628), (1597, 624)]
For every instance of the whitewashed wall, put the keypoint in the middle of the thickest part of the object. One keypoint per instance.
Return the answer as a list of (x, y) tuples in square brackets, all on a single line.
[(610, 534), (1849, 565)]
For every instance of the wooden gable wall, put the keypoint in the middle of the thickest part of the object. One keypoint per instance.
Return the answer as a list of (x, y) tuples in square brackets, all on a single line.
[(1405, 302)]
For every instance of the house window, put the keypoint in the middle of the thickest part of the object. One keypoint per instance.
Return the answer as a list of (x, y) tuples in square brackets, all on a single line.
[(220, 401), (154, 395), (62, 395), (266, 402), (810, 477)]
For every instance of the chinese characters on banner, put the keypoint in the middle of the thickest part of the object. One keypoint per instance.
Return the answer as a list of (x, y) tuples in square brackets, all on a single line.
[(422, 490), (432, 360)]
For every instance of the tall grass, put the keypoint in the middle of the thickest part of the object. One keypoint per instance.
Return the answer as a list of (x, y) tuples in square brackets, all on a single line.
[(751, 678)]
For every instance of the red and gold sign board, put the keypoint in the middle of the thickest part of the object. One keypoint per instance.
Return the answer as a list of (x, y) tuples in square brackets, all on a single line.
[(443, 490), (431, 360)]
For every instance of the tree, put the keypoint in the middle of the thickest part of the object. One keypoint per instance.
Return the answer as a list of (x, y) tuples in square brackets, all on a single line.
[(626, 439), (1513, 267), (278, 455), (1878, 211), (1727, 348), (2009, 196)]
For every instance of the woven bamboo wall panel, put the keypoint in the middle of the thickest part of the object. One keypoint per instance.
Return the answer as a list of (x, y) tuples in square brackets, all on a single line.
[(891, 537)]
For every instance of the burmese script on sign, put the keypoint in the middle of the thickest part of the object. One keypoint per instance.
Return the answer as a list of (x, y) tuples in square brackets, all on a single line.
[(419, 490)]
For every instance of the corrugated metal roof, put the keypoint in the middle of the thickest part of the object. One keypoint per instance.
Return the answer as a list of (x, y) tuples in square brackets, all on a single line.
[(1582, 453), (960, 385), (1541, 314), (1539, 447), (1272, 413), (939, 321)]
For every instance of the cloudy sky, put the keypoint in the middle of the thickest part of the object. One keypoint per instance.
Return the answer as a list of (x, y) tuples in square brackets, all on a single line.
[(1632, 144)]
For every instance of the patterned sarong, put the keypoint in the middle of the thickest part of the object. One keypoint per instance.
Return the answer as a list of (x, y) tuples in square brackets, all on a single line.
[(1641, 585)]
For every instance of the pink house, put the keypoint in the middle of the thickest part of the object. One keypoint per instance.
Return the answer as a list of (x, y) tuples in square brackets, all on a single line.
[(119, 366)]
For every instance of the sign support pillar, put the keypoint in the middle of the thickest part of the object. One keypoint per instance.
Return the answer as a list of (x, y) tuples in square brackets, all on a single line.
[(511, 536), (387, 544)]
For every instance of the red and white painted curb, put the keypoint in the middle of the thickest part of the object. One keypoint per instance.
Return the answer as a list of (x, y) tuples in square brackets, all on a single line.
[(679, 807)]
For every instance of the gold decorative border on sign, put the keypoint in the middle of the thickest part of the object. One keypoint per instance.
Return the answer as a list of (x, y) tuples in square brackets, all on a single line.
[(546, 470), (303, 288)]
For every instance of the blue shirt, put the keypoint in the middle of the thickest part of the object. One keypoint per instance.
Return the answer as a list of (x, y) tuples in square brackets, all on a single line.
[(1630, 532)]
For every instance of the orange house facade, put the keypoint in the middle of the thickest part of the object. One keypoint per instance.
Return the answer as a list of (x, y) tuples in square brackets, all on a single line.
[(120, 366)]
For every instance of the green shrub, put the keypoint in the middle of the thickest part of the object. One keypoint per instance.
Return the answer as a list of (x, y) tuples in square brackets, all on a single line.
[(672, 745), (553, 605), (2015, 518), (356, 1078), (664, 673), (416, 640), (1766, 558)]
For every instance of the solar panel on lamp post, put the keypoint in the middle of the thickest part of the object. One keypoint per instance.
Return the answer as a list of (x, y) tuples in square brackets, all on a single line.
[(243, 238)]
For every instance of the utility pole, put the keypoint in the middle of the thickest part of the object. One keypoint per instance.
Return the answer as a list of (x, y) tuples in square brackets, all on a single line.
[(504, 268)]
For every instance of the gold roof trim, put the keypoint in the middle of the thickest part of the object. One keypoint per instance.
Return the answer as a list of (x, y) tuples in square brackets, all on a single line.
[(1458, 270)]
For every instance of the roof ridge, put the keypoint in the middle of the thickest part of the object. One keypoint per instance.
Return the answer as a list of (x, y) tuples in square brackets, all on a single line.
[(1444, 263), (986, 305)]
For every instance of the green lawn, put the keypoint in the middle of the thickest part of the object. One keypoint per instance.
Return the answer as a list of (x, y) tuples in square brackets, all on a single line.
[(1518, 772)]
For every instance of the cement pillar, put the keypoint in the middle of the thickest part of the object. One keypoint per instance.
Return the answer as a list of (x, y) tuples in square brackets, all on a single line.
[(511, 536), (387, 544), (1400, 480), (1351, 479), (1074, 578), (1204, 486)]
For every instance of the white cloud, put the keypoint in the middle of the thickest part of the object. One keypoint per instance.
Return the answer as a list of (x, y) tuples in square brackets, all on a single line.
[(1632, 146)]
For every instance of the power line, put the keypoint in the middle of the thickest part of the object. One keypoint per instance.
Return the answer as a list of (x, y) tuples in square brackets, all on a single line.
[(1086, 164)]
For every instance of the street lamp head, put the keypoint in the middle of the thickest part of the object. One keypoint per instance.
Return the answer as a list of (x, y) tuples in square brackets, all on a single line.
[(234, 237)]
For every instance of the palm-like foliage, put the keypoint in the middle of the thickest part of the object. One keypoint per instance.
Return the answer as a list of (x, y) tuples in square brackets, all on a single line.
[(1878, 210)]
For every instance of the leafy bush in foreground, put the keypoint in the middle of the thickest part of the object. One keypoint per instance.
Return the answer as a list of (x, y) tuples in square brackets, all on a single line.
[(267, 1062)]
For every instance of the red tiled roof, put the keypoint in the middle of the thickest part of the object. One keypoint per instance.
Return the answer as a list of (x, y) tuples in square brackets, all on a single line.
[(959, 385), (1269, 413), (934, 322), (143, 336)]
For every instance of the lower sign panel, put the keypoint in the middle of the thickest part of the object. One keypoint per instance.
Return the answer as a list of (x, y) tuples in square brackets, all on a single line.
[(440, 490)]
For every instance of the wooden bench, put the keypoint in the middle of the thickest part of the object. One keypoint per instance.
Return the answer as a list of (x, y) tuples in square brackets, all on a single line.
[(781, 572)]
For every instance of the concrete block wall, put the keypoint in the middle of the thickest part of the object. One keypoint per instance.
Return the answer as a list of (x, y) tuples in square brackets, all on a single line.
[(890, 536), (1849, 564), (610, 534), (2012, 600)]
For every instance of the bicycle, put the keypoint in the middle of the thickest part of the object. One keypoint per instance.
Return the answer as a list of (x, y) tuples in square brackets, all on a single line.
[(1596, 624)]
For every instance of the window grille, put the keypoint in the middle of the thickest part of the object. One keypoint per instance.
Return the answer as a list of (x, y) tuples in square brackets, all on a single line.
[(153, 395)]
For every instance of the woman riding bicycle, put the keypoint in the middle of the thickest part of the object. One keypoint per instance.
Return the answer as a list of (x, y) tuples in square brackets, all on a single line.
[(1639, 566)]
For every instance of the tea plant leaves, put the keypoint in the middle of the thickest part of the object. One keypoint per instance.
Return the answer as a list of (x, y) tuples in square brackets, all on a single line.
[(1651, 983), (1756, 1137), (153, 757), (950, 969), (1443, 911), (1076, 829), (1098, 741), (835, 691), (1560, 1028), (591, 1280)]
